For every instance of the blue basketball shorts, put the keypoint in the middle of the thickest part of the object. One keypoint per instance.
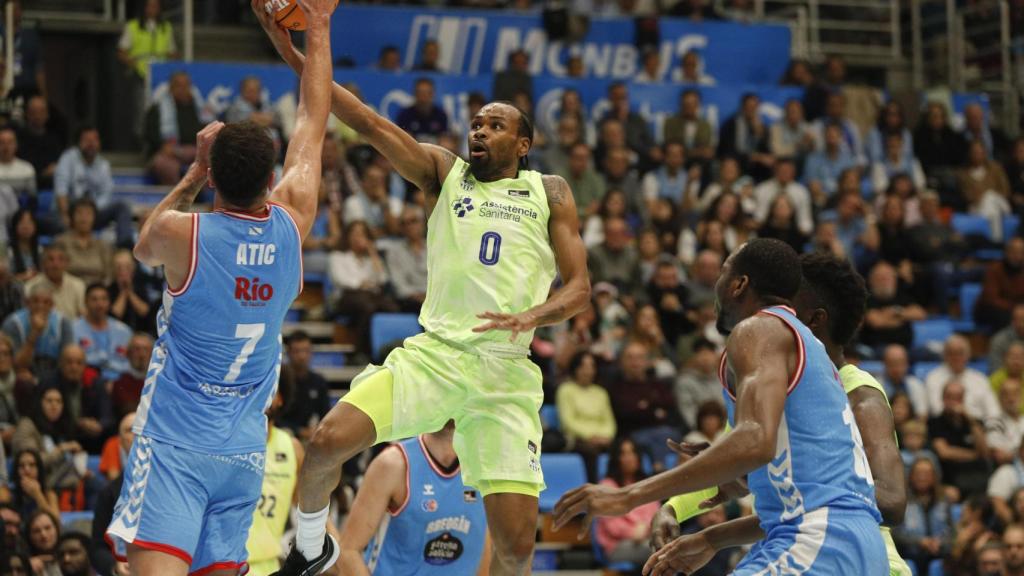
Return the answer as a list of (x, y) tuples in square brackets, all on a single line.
[(826, 541), (195, 506)]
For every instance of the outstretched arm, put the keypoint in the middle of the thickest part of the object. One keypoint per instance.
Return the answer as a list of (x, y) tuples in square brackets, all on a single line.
[(874, 420), (690, 552), (425, 165), (762, 354), (300, 183), (571, 257)]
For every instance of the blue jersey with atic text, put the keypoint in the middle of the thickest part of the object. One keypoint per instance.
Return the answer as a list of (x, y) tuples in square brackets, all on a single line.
[(440, 529), (216, 361), (819, 456)]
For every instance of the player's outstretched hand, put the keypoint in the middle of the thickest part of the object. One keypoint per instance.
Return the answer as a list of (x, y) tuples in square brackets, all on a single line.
[(685, 554), (686, 450), (516, 323), (664, 527), (591, 500), (279, 36), (204, 142)]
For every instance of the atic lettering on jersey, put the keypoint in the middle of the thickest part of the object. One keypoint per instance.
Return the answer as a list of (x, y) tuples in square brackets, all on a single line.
[(255, 254)]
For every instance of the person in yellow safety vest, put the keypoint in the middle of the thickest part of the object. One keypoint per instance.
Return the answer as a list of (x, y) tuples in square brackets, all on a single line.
[(147, 39)]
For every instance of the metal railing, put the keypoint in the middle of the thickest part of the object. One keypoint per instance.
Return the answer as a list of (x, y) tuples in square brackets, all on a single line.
[(868, 29)]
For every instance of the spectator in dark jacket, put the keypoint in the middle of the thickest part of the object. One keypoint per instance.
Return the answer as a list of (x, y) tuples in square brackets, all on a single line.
[(1002, 288)]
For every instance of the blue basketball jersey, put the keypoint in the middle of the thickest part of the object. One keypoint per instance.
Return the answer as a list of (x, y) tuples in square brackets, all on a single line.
[(440, 529), (819, 456), (216, 361)]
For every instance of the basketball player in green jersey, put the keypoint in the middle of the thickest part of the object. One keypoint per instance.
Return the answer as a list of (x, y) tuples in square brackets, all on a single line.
[(496, 235), (831, 303)]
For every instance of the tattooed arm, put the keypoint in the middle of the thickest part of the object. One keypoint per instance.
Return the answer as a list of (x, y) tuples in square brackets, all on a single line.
[(571, 257)]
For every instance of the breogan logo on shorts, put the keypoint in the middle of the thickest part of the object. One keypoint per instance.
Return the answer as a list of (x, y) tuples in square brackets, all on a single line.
[(249, 292)]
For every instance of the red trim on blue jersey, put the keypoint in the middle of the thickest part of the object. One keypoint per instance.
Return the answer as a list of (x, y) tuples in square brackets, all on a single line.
[(433, 465), (244, 566), (193, 259), (405, 502), (298, 236), (801, 357), (246, 215), (156, 546), (113, 549), (722, 366)]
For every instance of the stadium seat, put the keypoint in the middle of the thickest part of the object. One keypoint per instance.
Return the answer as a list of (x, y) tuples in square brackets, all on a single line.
[(549, 417), (385, 328), (93, 465), (293, 315), (969, 294), (327, 359), (970, 225), (44, 201), (931, 330), (1011, 224), (921, 369), (562, 472)]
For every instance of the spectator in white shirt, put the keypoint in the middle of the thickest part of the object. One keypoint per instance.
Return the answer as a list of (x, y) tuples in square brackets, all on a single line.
[(372, 205), (835, 113), (979, 401), (896, 160), (15, 172), (784, 182), (1003, 432), (896, 378), (407, 261), (692, 71), (1006, 480)]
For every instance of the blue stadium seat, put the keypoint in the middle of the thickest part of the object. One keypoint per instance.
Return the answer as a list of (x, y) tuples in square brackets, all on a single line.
[(313, 277), (386, 328), (931, 330), (93, 465), (921, 369), (1010, 226), (873, 367), (549, 417), (602, 465), (969, 294), (293, 315), (327, 359), (562, 472), (970, 225), (980, 366), (44, 201)]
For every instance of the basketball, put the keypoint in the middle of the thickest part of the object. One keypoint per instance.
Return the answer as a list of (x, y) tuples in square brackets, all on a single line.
[(288, 14)]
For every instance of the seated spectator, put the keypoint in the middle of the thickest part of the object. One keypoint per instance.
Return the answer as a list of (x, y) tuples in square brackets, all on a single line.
[(1013, 538), (1003, 433), (131, 294), (902, 187), (707, 267), (978, 129), (103, 337), (619, 176), (824, 166), (670, 297), (29, 489), (430, 53), (73, 555), (855, 227), (612, 322), (959, 441), (835, 114), (913, 444), (690, 129), (817, 91), (311, 393), (515, 78), (625, 538), (638, 133), (423, 119), (732, 229), (1006, 481), (12, 293), (16, 175), (587, 185), (170, 128), (781, 224), (927, 530), (568, 133), (791, 137), (1003, 339), (39, 142), (890, 310), (1012, 367), (646, 330), (407, 262), (82, 173), (745, 136), (8, 398), (89, 257), (126, 389), (116, 448), (979, 401), (68, 290), (985, 188), (1014, 168), (649, 253), (38, 333), (23, 242), (895, 248), (615, 260), (891, 119), (371, 204), (43, 534), (939, 148), (691, 71), (1002, 288), (975, 540), (85, 393), (253, 104), (711, 420), (902, 411), (896, 378), (613, 206), (698, 382), (670, 180), (784, 183), (585, 411), (730, 179), (897, 159), (51, 432), (645, 410)]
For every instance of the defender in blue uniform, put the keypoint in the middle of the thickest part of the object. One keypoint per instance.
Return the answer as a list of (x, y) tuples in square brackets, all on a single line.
[(196, 467), (414, 516), (794, 434)]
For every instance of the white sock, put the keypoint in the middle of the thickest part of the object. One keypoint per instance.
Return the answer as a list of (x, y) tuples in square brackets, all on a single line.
[(309, 538)]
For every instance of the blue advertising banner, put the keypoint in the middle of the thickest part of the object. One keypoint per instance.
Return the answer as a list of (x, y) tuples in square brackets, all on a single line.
[(479, 42)]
